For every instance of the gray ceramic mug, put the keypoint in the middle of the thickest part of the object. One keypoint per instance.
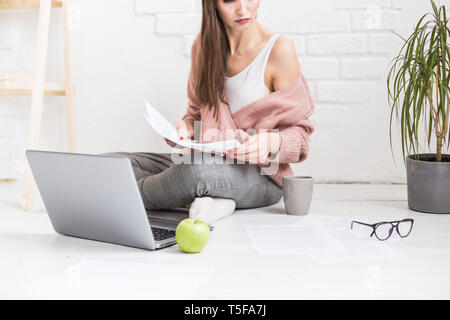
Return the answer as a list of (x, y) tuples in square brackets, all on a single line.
[(297, 194)]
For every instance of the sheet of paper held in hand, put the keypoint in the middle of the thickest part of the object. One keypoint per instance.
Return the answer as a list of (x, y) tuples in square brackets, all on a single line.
[(165, 129)]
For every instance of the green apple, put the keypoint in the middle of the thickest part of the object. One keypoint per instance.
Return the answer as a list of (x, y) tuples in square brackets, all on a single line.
[(192, 235)]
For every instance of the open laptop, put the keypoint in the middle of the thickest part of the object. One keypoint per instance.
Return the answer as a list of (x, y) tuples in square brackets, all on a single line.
[(96, 197)]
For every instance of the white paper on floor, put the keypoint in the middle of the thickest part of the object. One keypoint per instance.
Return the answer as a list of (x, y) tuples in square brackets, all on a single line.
[(326, 239), (99, 279)]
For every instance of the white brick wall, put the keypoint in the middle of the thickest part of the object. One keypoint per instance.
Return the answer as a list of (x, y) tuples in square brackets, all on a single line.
[(126, 51), (336, 44), (160, 7), (362, 68)]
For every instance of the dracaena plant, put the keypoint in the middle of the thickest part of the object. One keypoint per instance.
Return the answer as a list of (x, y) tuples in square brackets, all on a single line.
[(418, 83)]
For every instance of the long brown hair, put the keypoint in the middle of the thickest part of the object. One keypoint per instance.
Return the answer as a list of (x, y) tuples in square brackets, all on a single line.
[(212, 58)]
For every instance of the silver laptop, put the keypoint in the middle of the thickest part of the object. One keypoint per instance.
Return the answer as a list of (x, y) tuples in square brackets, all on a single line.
[(96, 197)]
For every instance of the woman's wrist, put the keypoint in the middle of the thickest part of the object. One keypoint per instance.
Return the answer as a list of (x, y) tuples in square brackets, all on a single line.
[(275, 143), (190, 127)]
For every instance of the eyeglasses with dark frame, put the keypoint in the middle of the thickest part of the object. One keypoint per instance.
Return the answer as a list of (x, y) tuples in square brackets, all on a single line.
[(383, 230)]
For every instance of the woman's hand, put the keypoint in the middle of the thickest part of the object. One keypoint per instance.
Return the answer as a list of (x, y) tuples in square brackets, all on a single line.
[(185, 130), (256, 148)]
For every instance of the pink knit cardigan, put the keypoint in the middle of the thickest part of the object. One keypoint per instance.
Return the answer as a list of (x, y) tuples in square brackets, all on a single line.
[(286, 109)]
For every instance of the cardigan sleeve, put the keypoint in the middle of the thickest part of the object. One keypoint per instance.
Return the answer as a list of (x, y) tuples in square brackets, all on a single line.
[(294, 143), (193, 110)]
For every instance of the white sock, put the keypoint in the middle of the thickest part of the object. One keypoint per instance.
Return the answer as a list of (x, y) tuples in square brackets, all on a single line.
[(210, 209)]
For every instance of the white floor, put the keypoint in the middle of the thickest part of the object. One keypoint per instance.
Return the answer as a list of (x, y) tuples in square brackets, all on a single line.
[(36, 262)]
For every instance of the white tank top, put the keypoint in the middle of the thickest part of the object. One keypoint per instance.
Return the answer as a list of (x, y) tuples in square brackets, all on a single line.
[(248, 85)]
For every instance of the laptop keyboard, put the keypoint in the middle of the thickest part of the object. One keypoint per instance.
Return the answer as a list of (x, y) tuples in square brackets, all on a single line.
[(161, 234)]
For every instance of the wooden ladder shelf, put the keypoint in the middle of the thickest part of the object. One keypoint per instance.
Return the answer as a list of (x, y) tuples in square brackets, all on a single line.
[(35, 86)]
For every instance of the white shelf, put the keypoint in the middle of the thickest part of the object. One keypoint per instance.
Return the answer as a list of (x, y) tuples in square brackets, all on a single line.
[(26, 4), (21, 85)]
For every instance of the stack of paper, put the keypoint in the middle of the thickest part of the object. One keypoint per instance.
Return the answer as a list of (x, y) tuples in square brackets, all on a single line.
[(166, 130), (325, 239)]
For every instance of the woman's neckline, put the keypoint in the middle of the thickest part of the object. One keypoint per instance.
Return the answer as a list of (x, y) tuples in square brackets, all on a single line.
[(253, 61)]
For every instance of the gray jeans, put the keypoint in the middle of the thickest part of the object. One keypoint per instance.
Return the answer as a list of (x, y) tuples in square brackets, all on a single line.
[(166, 184)]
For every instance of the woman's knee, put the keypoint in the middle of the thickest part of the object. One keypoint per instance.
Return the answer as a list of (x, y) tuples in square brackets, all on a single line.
[(259, 197)]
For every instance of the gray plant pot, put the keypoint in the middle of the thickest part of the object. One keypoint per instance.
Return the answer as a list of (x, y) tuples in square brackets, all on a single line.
[(428, 183)]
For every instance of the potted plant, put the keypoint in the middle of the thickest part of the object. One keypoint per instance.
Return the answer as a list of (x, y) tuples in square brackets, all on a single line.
[(418, 85)]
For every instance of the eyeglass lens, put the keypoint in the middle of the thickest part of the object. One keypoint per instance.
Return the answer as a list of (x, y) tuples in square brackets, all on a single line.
[(384, 230), (404, 228)]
